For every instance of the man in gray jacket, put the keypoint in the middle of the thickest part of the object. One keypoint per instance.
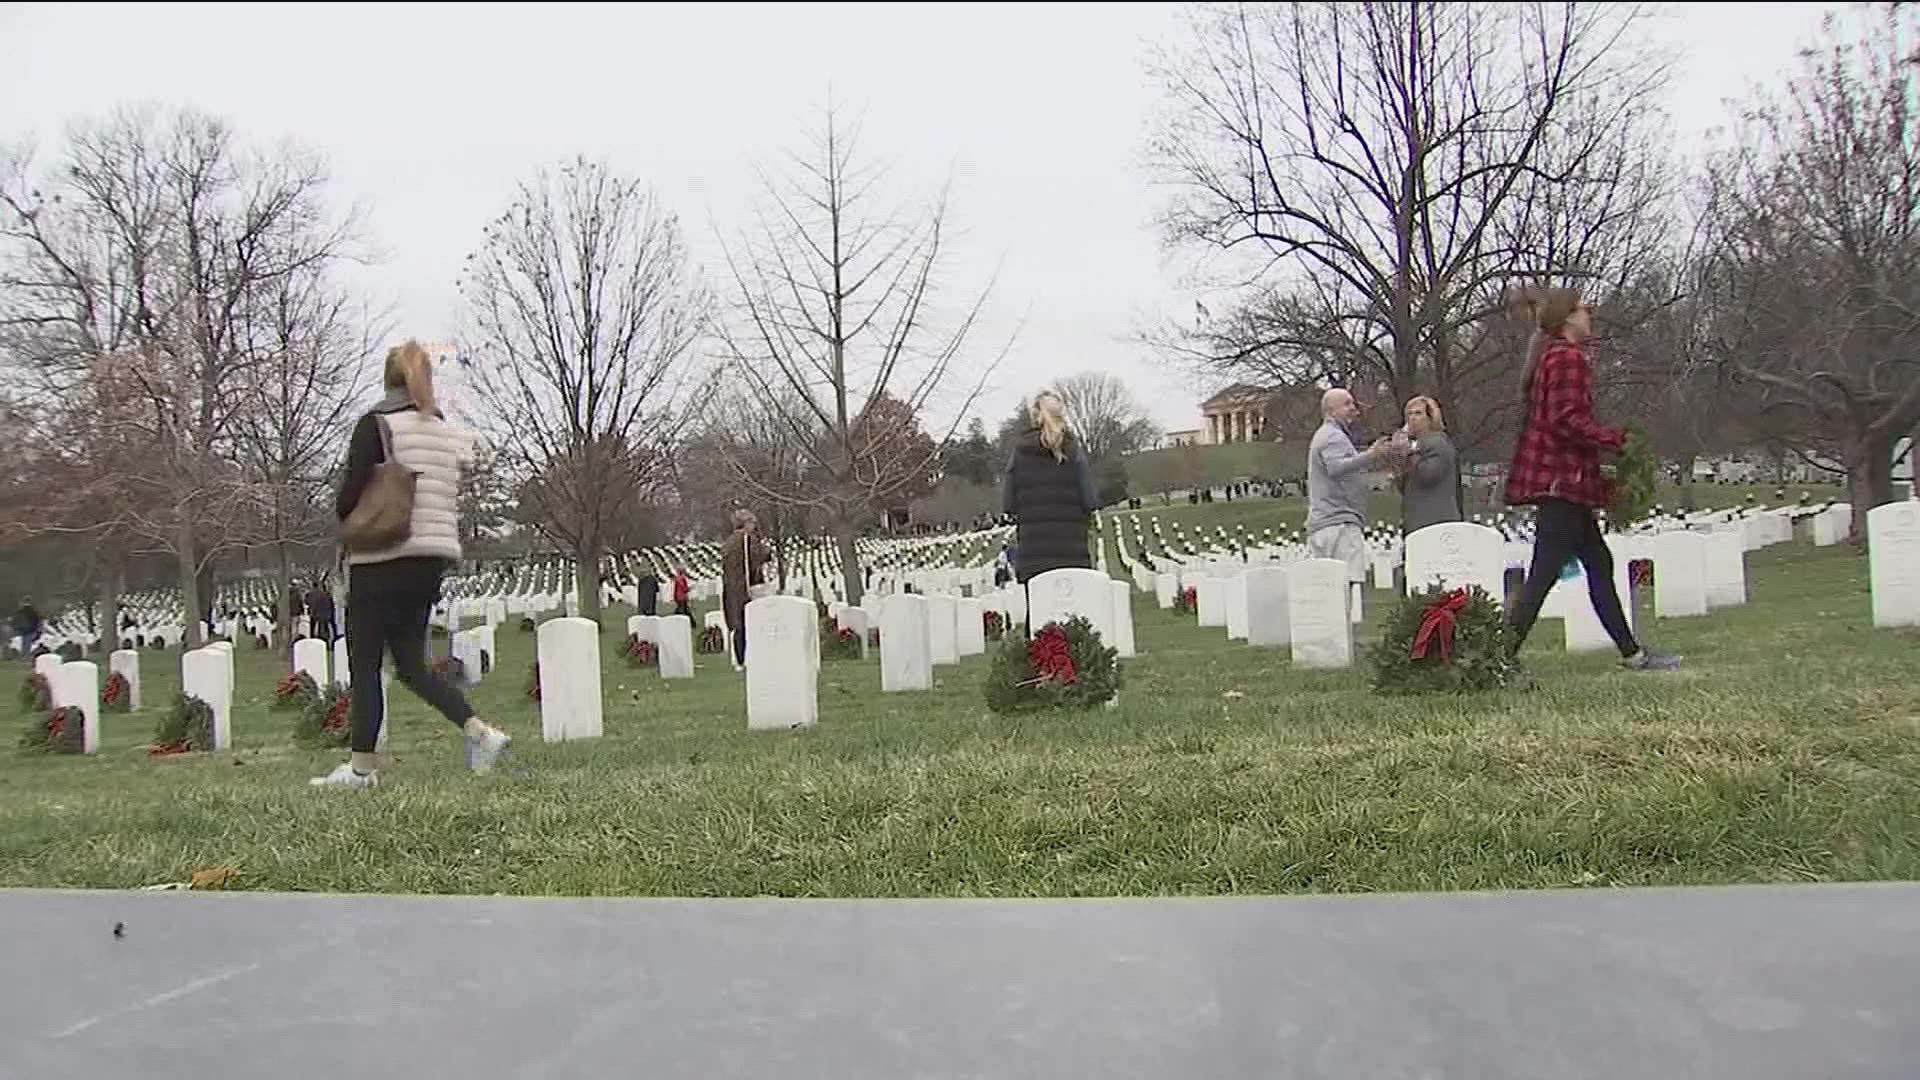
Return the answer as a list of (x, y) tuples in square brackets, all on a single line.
[(1337, 484)]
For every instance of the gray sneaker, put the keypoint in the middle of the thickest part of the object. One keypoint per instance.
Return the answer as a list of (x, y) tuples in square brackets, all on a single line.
[(1651, 660), (484, 751)]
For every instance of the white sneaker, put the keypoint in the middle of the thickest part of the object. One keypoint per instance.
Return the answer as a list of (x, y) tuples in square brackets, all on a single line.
[(485, 750), (344, 776)]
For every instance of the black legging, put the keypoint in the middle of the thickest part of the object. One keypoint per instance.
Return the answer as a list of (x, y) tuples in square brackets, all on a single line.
[(1564, 530), (388, 604)]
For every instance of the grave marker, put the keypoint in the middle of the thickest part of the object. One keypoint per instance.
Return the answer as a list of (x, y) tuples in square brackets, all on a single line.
[(203, 674), (1679, 575), (970, 631), (76, 684), (1893, 563), (1123, 640), (783, 671), (570, 706), (310, 656), (1267, 616), (906, 649), (1321, 629), (676, 647), (1058, 595), (126, 662), (1456, 555), (942, 644), (1726, 568)]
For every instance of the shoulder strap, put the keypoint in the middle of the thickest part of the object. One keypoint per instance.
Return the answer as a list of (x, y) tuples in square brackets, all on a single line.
[(386, 439)]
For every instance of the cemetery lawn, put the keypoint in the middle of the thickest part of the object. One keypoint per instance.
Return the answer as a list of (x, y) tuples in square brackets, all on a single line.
[(1789, 750)]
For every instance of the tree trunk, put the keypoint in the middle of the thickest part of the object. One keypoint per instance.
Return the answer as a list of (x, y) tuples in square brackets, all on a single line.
[(849, 559), (116, 583), (283, 604), (189, 591), (1869, 477), (1687, 497), (586, 577), (203, 584)]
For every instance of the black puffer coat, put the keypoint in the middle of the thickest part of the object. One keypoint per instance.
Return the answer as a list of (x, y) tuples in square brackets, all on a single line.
[(1052, 504)]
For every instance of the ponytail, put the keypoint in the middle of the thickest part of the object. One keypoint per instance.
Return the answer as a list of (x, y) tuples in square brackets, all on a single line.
[(1548, 310), (1049, 414), (409, 366)]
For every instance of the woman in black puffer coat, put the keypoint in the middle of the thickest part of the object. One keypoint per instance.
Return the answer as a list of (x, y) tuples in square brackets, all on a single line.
[(1048, 491)]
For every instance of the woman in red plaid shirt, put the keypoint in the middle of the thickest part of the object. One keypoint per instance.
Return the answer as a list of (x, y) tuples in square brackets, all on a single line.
[(1556, 469)]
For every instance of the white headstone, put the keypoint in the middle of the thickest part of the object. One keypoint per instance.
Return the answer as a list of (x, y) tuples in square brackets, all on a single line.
[(969, 629), (942, 644), (1123, 640), (342, 674), (76, 684), (858, 621), (1210, 596), (1166, 589), (1726, 568), (1318, 623), (126, 663), (569, 652), (310, 656), (783, 665), (676, 647), (1381, 560), (483, 636), (203, 674), (45, 665), (1679, 575), (1234, 592), (1267, 615), (1825, 528), (645, 627), (466, 649), (1893, 563), (906, 648), (1058, 595), (1584, 631), (1456, 555)]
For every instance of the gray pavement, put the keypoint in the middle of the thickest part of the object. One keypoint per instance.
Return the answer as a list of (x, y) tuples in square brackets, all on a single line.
[(1745, 983)]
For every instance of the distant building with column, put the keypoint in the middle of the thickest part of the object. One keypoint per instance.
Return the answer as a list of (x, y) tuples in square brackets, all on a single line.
[(1236, 414)]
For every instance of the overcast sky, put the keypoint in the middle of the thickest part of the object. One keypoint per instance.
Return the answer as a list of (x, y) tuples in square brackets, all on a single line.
[(429, 115)]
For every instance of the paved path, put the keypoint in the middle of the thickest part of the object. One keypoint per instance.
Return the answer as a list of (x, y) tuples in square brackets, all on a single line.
[(1808, 983)]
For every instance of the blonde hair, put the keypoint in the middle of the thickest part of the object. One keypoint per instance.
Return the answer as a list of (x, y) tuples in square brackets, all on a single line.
[(1049, 414), (409, 366), (1432, 409), (1549, 309)]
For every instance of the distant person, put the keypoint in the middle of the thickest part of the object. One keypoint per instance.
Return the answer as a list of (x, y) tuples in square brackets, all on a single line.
[(1337, 484), (1049, 492), (320, 614), (1556, 469), (1432, 471), (743, 570), (647, 592), (1003, 566), (27, 625), (682, 592), (392, 592)]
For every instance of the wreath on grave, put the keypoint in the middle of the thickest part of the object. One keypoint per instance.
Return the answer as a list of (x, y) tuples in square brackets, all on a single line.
[(873, 637), (188, 726), (993, 625), (639, 653), (60, 731), (1063, 666), (36, 694), (712, 640), (1187, 602), (295, 691), (117, 694), (527, 625), (533, 682), (838, 642), (1440, 639), (322, 723), (260, 641), (1635, 473)]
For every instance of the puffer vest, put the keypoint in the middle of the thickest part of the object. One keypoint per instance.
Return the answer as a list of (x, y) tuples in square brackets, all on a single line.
[(433, 449)]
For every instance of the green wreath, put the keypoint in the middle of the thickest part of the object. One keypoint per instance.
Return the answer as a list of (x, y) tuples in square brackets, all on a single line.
[(295, 691), (1063, 666), (188, 726), (1635, 473), (60, 731), (322, 723), (1439, 639), (838, 642), (36, 694)]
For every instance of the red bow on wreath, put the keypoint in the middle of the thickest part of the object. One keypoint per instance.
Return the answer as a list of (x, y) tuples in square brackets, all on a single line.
[(1050, 657), (1436, 625)]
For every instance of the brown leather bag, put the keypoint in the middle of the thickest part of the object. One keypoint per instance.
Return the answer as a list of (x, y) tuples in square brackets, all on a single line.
[(383, 517)]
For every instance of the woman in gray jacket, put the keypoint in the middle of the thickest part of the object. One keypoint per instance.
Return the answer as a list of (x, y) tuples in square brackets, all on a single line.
[(1432, 491)]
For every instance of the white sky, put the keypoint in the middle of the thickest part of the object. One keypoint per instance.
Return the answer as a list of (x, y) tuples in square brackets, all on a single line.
[(429, 115)]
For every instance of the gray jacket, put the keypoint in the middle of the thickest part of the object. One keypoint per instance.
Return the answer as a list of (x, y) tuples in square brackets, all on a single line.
[(1336, 478), (1432, 493)]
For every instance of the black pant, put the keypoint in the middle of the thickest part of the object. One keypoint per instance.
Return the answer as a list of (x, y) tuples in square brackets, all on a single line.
[(388, 604), (323, 629), (1562, 531)]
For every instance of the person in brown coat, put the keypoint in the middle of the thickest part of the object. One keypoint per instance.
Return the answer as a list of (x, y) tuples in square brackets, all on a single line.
[(743, 567)]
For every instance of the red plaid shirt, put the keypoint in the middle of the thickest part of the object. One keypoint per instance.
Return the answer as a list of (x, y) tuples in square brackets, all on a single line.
[(1558, 454)]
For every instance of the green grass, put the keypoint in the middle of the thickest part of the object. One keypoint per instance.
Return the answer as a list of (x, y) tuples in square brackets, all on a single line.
[(1787, 751)]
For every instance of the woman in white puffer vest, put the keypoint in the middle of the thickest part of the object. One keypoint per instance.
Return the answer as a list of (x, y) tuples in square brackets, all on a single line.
[(392, 593)]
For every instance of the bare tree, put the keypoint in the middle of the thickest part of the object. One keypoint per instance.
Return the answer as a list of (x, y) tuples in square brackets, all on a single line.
[(135, 270), (1360, 166), (1815, 217), (586, 309), (836, 329), (1106, 415)]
